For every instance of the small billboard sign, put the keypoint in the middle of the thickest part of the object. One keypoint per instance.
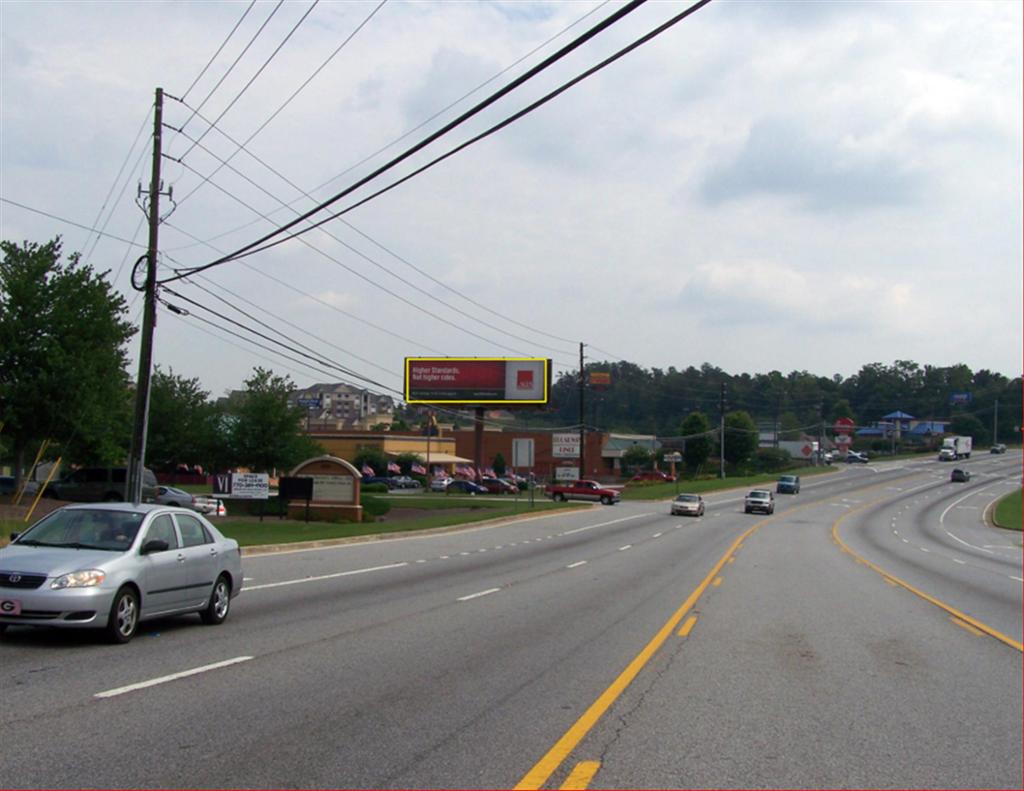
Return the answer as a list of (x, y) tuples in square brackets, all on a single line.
[(509, 381), (567, 473), (522, 453), (308, 403), (959, 399), (565, 446), (242, 485)]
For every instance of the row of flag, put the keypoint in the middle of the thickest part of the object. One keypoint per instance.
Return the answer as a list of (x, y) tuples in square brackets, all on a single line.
[(393, 468)]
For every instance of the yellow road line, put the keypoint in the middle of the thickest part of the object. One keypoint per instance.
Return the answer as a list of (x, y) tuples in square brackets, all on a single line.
[(547, 765), (967, 626), (717, 582), (581, 776), (687, 627), (967, 619)]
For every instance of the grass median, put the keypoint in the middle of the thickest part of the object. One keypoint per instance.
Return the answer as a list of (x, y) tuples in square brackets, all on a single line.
[(1008, 512)]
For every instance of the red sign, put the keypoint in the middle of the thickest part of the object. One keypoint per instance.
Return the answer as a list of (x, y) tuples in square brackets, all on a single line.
[(843, 426), (477, 380)]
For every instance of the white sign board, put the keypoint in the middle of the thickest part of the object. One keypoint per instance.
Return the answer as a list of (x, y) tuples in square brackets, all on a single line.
[(522, 453), (673, 457), (565, 446), (250, 485), (567, 473), (333, 488)]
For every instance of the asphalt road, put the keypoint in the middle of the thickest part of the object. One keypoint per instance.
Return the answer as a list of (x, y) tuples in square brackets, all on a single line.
[(614, 647)]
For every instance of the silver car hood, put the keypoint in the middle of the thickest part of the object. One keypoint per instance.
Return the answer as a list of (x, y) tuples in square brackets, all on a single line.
[(52, 561)]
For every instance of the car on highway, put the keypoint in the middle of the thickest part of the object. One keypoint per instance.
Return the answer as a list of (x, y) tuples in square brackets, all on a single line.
[(788, 484), (460, 486), (688, 505), (856, 457), (759, 500), (440, 483), (959, 476), (999, 447), (111, 566)]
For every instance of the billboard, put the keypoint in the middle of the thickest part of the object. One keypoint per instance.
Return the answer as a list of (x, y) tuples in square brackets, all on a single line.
[(509, 381)]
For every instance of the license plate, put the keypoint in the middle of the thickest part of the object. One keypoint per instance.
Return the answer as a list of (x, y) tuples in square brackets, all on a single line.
[(10, 607)]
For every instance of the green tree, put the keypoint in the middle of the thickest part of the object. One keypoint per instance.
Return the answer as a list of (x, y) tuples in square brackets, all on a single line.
[(184, 425), (265, 434), (740, 437), (406, 460), (970, 426), (63, 362), (375, 457), (499, 465), (636, 458), (699, 443)]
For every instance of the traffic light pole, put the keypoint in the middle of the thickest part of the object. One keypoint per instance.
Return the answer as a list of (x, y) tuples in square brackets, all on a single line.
[(136, 460)]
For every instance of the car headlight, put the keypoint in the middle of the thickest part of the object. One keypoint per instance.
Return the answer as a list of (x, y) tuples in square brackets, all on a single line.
[(79, 579)]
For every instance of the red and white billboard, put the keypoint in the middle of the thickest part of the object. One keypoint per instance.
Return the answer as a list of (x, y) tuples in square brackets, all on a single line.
[(508, 381)]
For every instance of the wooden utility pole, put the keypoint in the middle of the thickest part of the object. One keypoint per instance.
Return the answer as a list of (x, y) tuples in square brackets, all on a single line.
[(583, 422), (137, 458)]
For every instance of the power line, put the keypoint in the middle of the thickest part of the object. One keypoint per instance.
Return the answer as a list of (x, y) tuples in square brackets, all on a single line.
[(476, 109), (70, 222), (256, 75), (261, 127), (221, 47)]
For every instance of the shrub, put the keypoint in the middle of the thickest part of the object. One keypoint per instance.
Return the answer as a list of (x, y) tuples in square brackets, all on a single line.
[(771, 460), (373, 488), (374, 507)]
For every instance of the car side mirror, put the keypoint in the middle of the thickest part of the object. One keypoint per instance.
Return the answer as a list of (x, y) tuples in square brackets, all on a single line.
[(155, 545), (14, 536)]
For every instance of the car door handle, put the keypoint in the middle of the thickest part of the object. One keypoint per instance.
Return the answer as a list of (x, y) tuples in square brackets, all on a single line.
[(181, 558), (213, 553)]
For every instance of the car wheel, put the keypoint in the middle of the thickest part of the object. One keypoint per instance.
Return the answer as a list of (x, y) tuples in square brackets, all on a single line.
[(220, 602), (558, 497), (746, 510), (606, 500), (123, 621)]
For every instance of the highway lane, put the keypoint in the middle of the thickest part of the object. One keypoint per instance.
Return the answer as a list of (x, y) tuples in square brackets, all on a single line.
[(449, 660)]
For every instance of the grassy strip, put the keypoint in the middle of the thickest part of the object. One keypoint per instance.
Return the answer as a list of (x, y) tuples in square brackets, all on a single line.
[(1008, 511), (276, 531), (665, 491)]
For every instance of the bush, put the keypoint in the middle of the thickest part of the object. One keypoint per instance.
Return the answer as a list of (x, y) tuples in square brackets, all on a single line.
[(374, 507), (373, 488), (272, 506), (771, 460)]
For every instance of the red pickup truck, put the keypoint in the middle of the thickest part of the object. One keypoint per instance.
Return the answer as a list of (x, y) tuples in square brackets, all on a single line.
[(582, 490)]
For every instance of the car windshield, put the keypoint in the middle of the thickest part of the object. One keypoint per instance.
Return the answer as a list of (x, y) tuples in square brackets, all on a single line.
[(787, 479), (687, 498), (85, 528), (758, 494)]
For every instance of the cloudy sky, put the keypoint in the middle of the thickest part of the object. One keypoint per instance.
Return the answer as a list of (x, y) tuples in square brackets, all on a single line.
[(765, 186)]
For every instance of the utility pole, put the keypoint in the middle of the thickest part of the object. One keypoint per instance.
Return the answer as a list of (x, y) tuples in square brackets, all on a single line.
[(137, 458), (721, 432), (583, 423), (995, 424)]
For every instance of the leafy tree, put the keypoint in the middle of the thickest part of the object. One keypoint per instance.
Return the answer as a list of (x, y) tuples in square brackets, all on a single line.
[(63, 363), (790, 427), (375, 457), (970, 426), (185, 427), (842, 409), (740, 437), (499, 465), (399, 425), (699, 443), (636, 458), (265, 433), (406, 460)]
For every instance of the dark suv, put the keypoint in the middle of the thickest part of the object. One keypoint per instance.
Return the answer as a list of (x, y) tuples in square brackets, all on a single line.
[(788, 484), (100, 484)]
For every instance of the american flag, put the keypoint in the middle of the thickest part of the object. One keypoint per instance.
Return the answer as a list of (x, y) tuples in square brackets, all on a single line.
[(368, 470), (393, 467), (419, 469)]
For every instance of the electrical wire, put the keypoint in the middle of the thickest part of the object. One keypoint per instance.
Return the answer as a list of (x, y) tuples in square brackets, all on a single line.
[(242, 146), (256, 75), (70, 222), (219, 49), (476, 109)]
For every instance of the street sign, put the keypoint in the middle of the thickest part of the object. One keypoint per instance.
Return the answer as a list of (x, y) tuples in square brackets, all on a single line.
[(565, 446), (567, 473), (843, 425), (243, 485), (308, 403), (674, 457), (522, 453)]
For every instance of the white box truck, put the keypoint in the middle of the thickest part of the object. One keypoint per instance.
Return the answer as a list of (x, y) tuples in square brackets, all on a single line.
[(954, 448)]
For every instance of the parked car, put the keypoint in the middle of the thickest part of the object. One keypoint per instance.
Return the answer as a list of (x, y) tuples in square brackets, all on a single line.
[(460, 486), (999, 447), (788, 484), (404, 482), (959, 476), (440, 484), (688, 505), (652, 475), (8, 489), (100, 484), (498, 486), (169, 495), (111, 566), (368, 479), (856, 457), (759, 500)]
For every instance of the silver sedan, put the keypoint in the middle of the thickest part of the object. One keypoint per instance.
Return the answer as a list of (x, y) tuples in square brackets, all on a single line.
[(110, 566)]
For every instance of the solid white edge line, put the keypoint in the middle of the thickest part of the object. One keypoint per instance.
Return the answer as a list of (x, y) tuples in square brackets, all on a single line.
[(604, 524), (110, 693), (247, 588), (478, 595), (577, 564)]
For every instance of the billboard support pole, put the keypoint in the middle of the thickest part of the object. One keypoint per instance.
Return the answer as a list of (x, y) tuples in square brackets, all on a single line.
[(583, 423), (478, 441)]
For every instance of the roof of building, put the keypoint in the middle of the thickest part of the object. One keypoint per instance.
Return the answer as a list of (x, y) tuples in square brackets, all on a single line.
[(898, 415)]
